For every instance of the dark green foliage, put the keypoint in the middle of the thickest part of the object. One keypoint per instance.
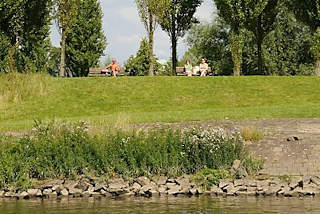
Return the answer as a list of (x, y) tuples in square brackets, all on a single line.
[(25, 25), (308, 11), (209, 177), (261, 26), (139, 65), (11, 18), (85, 41), (288, 47), (238, 14), (67, 151), (286, 50), (4, 50), (53, 61), (35, 43)]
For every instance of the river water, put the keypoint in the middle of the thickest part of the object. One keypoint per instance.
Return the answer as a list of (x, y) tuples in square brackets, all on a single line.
[(179, 205)]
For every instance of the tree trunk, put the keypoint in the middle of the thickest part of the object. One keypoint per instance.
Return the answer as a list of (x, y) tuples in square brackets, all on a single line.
[(63, 53), (174, 55), (236, 50), (12, 55), (151, 32), (318, 67), (174, 41), (12, 59), (259, 43), (260, 59), (317, 51)]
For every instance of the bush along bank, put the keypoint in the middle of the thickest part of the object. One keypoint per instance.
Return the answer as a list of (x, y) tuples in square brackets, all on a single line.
[(64, 159)]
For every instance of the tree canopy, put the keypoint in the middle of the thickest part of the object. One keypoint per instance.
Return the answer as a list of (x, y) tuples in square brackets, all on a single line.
[(176, 17), (85, 41), (308, 11), (138, 65), (24, 27), (286, 49), (238, 14)]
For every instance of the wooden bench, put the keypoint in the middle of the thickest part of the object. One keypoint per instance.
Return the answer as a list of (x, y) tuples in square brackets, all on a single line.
[(180, 71), (98, 72)]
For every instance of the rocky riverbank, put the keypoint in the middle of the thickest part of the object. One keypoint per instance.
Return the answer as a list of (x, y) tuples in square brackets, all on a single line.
[(163, 186)]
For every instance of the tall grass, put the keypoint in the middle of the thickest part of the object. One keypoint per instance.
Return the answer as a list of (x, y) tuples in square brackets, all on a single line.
[(251, 133), (67, 151), (17, 87)]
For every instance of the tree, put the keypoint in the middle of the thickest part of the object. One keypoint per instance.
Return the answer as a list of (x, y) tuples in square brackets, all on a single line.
[(11, 15), (308, 11), (211, 41), (176, 17), (25, 25), (66, 10), (238, 13), (262, 25), (35, 42), (4, 50), (85, 40), (139, 65), (286, 49), (147, 10)]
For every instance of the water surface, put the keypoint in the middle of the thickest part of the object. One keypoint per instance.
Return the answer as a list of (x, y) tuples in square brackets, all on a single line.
[(201, 205)]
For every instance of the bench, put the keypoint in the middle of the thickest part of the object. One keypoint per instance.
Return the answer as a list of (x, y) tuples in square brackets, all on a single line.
[(180, 71), (98, 72)]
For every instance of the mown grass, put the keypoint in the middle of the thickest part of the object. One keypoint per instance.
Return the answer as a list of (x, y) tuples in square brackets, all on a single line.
[(68, 151), (102, 101)]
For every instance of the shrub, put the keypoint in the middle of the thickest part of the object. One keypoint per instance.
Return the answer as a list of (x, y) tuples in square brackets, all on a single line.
[(139, 65), (252, 165), (209, 177)]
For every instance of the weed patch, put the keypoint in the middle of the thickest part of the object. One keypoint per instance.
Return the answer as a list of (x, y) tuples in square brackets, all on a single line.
[(251, 133)]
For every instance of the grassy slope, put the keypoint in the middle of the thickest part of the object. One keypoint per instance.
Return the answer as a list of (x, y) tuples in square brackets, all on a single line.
[(167, 99)]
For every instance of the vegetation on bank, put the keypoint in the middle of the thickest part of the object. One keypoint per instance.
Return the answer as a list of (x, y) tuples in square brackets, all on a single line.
[(64, 150), (105, 101)]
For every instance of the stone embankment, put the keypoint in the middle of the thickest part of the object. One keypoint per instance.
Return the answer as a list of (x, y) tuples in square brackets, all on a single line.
[(163, 186)]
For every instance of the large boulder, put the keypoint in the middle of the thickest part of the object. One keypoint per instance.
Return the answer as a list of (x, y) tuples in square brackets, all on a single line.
[(34, 192), (23, 195), (64, 192), (162, 180), (143, 181), (215, 190), (117, 186), (295, 182), (149, 189), (70, 184)]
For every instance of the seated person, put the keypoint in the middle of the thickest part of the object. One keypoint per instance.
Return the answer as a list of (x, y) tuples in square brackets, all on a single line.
[(188, 68), (204, 67), (114, 66)]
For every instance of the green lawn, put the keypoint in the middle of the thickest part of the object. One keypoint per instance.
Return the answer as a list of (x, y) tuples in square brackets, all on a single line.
[(104, 101)]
